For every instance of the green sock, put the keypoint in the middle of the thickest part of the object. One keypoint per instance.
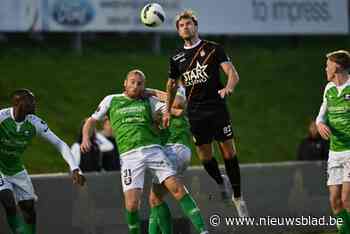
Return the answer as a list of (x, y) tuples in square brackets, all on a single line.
[(153, 227), (164, 218), (133, 222), (344, 228), (16, 224), (30, 228), (190, 208)]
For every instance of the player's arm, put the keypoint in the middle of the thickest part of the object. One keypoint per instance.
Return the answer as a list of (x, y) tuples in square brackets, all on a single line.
[(322, 128), (179, 104), (229, 70), (171, 88), (44, 132), (232, 79), (157, 93), (91, 122)]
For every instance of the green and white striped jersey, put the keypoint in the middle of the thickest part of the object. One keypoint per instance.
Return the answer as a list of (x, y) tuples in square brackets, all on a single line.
[(335, 113), (16, 136), (132, 120)]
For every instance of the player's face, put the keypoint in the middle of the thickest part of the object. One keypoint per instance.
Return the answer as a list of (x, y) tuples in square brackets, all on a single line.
[(26, 105), (134, 86), (187, 29), (331, 68)]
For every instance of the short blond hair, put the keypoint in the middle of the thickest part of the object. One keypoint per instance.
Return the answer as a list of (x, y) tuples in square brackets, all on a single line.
[(186, 14), (340, 57), (136, 72)]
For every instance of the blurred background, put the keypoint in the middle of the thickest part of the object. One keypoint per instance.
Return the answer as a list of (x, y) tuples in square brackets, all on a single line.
[(72, 53)]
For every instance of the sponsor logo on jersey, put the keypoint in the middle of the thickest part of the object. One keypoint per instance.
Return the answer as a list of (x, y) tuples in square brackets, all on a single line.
[(196, 76), (178, 56), (347, 97)]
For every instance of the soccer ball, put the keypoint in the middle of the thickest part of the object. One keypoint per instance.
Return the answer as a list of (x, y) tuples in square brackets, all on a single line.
[(152, 15)]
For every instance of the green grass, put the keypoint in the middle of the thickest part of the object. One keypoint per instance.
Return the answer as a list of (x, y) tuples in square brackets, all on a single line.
[(279, 92)]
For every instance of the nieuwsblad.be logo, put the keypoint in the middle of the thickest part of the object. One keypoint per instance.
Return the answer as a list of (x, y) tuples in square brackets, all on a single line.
[(73, 12)]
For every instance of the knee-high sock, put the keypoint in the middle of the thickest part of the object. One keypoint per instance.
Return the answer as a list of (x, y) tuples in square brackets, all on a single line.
[(212, 168), (164, 218), (153, 227), (190, 208), (16, 224), (234, 174), (133, 222), (345, 227)]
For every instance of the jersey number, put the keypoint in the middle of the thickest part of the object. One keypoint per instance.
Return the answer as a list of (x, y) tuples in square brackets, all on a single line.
[(127, 176)]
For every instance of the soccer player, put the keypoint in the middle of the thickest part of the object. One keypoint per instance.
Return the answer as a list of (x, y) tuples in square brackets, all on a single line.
[(176, 140), (131, 116), (18, 125), (198, 65), (333, 122)]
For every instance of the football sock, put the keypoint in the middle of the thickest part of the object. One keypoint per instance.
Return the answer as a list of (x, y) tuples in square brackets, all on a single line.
[(153, 227), (233, 173), (164, 218), (190, 208), (133, 222), (16, 224), (344, 228), (212, 168)]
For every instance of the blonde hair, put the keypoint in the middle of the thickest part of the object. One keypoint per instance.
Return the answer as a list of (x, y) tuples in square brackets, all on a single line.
[(340, 57), (136, 72), (186, 14)]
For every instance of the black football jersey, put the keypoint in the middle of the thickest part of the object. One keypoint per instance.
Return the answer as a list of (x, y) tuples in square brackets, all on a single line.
[(199, 70)]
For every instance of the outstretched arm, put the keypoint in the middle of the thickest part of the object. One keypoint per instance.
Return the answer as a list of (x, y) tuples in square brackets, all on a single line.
[(67, 155)]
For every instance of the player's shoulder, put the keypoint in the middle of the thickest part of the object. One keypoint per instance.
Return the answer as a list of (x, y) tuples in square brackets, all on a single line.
[(5, 113), (178, 54), (212, 43), (329, 85), (37, 122), (110, 97)]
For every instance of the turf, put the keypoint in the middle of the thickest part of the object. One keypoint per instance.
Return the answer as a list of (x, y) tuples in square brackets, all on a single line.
[(279, 92)]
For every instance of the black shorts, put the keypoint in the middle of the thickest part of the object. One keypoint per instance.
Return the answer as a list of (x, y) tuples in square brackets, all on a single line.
[(211, 125)]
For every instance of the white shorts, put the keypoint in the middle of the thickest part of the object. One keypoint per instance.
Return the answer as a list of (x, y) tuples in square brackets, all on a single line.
[(135, 163), (20, 184), (338, 168), (180, 157)]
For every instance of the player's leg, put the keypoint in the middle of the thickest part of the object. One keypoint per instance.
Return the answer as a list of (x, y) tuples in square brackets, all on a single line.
[(160, 220), (25, 195), (165, 173), (132, 177), (13, 218), (132, 204), (29, 215), (202, 138), (335, 172), (187, 203), (337, 207)]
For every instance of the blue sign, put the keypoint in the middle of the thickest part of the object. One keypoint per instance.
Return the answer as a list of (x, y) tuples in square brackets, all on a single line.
[(73, 12)]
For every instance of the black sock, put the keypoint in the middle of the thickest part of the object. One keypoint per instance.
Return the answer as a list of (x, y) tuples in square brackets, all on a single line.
[(234, 174), (212, 168)]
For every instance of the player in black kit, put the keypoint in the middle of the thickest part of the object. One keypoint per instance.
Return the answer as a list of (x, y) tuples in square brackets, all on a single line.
[(197, 64)]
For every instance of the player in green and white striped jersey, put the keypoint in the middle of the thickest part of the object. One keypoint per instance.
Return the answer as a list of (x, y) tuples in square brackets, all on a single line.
[(18, 125), (131, 117), (176, 140), (333, 123)]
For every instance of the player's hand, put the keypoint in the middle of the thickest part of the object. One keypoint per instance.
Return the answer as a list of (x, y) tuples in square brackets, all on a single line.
[(85, 145), (166, 119), (78, 178), (225, 92), (324, 130)]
